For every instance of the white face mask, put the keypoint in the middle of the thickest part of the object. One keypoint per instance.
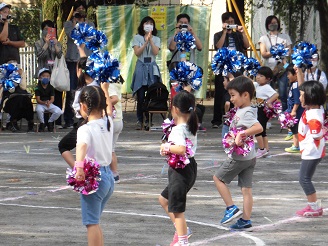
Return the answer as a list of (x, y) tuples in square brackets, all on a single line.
[(148, 27), (315, 63)]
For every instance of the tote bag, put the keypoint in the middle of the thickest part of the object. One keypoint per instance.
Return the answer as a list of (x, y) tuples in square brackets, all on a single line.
[(60, 75)]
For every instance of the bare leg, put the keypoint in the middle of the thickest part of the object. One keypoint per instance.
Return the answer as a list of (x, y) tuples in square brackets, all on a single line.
[(224, 191), (295, 140), (266, 143), (180, 224), (113, 165), (248, 202), (95, 236), (312, 197), (165, 204), (69, 158), (260, 142)]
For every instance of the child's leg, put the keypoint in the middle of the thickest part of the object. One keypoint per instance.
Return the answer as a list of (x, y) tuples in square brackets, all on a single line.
[(40, 111), (266, 143), (55, 112), (165, 204), (295, 140), (95, 236), (260, 142), (307, 170), (224, 191), (248, 202), (180, 224)]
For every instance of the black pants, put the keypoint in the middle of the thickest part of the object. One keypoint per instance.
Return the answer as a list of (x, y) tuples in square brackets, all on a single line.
[(59, 103), (68, 142), (218, 100), (263, 119)]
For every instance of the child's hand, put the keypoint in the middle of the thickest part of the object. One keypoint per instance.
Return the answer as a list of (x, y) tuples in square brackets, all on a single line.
[(79, 176), (161, 151), (240, 137), (293, 113)]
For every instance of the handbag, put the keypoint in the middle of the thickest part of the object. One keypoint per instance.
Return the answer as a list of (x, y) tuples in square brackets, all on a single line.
[(60, 75)]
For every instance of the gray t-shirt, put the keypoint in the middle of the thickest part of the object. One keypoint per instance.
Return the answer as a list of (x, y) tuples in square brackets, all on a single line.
[(191, 55), (139, 40), (179, 134), (245, 118)]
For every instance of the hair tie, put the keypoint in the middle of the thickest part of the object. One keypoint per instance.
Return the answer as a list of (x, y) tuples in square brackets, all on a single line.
[(83, 71), (190, 109)]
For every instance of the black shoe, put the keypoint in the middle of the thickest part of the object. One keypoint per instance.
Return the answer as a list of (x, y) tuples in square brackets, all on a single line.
[(138, 126), (11, 126), (146, 126), (50, 126), (30, 126), (41, 127)]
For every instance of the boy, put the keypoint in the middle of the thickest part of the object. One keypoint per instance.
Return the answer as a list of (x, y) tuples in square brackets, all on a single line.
[(241, 90), (45, 96), (293, 106)]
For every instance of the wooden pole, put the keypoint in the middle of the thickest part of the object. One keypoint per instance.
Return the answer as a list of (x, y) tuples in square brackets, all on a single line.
[(229, 5), (245, 30)]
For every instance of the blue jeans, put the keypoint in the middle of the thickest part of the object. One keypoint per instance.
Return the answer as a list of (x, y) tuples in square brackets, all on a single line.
[(225, 130), (282, 90)]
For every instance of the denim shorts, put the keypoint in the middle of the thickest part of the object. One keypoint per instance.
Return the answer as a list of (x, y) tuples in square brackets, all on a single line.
[(92, 205)]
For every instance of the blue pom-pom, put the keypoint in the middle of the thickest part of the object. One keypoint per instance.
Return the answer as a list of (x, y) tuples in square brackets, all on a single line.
[(9, 77), (227, 61), (110, 71), (252, 66), (279, 51), (185, 41), (302, 55), (187, 73)]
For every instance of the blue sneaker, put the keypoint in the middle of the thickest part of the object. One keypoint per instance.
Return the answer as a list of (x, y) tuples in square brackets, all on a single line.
[(242, 225), (230, 214)]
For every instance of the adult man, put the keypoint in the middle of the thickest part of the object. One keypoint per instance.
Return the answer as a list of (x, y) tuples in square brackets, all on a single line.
[(10, 37), (234, 40), (72, 56)]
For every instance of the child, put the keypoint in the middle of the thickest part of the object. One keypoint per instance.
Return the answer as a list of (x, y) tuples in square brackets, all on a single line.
[(45, 96), (312, 142), (293, 106), (265, 95), (94, 141), (241, 90), (173, 197)]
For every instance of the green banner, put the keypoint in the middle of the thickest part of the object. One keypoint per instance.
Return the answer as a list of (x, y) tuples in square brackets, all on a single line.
[(120, 25)]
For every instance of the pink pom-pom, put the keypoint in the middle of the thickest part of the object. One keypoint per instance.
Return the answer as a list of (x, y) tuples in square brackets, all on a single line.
[(325, 128), (286, 120), (274, 111), (92, 178), (229, 116), (167, 128), (230, 146), (180, 161)]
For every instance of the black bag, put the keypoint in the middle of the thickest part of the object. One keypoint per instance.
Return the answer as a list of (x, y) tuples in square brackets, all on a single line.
[(156, 98), (168, 63)]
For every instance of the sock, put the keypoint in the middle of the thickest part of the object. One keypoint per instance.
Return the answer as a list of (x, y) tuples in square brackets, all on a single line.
[(313, 205), (183, 240), (230, 207)]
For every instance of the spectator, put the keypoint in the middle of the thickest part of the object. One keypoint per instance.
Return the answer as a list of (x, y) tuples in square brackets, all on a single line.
[(274, 37), (72, 56), (47, 49), (314, 73), (45, 96), (234, 40), (10, 37)]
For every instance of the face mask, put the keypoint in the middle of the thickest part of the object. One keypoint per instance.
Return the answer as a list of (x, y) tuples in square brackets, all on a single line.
[(273, 27), (45, 81), (315, 63), (148, 27)]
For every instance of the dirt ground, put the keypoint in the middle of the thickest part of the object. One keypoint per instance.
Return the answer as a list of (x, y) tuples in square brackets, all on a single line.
[(37, 208)]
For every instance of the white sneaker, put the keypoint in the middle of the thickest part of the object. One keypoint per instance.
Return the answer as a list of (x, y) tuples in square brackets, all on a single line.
[(261, 153)]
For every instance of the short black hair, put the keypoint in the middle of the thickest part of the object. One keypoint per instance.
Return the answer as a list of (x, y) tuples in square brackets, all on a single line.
[(48, 23), (78, 3), (141, 30), (242, 84), (180, 16), (291, 69), (266, 72), (269, 19), (314, 92), (225, 16)]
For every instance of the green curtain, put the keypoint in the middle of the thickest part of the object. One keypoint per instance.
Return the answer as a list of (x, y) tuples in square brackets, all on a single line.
[(120, 24)]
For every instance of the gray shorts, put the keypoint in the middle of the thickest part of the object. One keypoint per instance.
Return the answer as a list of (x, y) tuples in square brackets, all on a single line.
[(229, 169)]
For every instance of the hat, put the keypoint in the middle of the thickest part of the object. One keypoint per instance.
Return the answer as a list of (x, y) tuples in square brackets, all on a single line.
[(2, 5), (42, 70)]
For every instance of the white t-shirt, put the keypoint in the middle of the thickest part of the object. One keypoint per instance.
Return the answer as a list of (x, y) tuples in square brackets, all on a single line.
[(179, 134), (311, 126), (98, 139), (282, 38), (114, 89), (314, 76), (263, 91)]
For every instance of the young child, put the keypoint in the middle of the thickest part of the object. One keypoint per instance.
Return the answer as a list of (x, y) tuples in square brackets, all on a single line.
[(241, 90), (265, 95), (293, 106), (312, 142), (45, 96), (173, 197), (94, 141)]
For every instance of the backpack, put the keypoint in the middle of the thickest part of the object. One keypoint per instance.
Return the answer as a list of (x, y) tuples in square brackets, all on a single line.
[(156, 98)]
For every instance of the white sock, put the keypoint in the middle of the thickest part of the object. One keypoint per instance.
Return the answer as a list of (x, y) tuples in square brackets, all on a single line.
[(183, 240), (314, 205)]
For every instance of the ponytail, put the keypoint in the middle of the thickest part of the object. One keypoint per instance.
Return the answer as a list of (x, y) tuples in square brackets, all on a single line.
[(193, 122)]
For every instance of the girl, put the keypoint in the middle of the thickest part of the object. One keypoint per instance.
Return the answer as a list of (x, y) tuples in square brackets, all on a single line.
[(312, 142), (265, 94), (173, 197), (146, 46), (94, 141)]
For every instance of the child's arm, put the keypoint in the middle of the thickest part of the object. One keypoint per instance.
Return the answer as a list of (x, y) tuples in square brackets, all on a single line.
[(300, 75), (81, 151), (174, 149), (254, 129), (294, 110), (271, 99), (113, 99), (226, 106)]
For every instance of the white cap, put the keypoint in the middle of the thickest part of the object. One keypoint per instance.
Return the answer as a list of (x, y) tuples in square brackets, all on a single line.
[(2, 5), (42, 70)]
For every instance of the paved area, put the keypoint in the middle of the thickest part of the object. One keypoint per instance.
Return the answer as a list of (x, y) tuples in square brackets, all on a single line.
[(37, 208)]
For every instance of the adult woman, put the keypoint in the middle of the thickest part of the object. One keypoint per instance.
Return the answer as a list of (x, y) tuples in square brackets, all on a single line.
[(274, 37), (146, 46)]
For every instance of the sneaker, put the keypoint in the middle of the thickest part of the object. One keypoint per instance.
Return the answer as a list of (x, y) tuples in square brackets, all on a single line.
[(12, 127), (230, 214), (215, 126), (241, 225), (66, 126), (261, 153), (293, 149), (30, 126), (201, 129), (175, 240), (309, 212), (289, 136), (50, 126), (117, 179), (41, 127)]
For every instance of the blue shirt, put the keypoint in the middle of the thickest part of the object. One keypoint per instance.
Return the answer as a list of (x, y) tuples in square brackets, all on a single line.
[(294, 98)]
